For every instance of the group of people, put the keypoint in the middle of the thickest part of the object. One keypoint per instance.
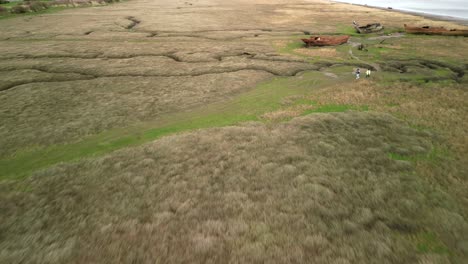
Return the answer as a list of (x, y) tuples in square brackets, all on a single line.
[(358, 73)]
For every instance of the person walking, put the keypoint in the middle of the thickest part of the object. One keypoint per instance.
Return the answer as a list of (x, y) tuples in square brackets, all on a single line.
[(368, 72), (358, 73)]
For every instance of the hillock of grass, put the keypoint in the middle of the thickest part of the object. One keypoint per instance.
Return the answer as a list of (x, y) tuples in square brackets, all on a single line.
[(319, 187)]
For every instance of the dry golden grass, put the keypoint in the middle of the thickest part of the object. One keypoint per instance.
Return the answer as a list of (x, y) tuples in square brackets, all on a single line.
[(55, 56), (45, 113), (281, 114), (325, 188), (440, 108), (435, 47), (61, 95), (324, 52), (281, 44), (318, 189), (318, 52), (396, 47)]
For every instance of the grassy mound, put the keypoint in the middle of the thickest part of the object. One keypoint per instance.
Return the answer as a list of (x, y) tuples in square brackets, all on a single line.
[(323, 187)]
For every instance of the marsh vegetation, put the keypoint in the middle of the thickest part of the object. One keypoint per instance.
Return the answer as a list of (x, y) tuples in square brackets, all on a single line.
[(129, 135)]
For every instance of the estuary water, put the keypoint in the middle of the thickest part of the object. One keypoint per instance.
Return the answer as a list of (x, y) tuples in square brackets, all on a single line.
[(452, 8)]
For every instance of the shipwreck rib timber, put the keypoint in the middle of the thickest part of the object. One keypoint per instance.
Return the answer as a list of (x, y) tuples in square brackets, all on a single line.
[(369, 28)]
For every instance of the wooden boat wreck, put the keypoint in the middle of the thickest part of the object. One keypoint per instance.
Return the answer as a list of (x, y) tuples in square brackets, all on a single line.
[(369, 28), (325, 40), (428, 30)]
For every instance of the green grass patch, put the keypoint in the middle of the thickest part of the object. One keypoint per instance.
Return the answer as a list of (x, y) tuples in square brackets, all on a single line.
[(9, 5), (434, 156), (347, 30), (372, 53), (292, 45), (249, 106), (392, 30), (428, 242), (419, 76)]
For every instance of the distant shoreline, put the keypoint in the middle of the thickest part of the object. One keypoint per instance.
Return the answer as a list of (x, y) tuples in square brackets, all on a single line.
[(457, 20)]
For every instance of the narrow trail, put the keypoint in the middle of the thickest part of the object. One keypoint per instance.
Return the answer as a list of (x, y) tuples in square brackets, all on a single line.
[(374, 65)]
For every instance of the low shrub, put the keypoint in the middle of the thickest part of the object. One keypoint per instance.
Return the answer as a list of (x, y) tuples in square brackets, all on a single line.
[(4, 2), (19, 9), (37, 6), (60, 3)]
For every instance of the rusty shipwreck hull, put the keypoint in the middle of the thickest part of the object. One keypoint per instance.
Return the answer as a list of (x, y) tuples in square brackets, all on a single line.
[(325, 40), (428, 30)]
